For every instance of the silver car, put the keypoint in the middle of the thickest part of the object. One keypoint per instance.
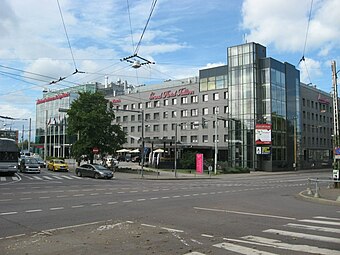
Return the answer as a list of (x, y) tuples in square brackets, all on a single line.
[(94, 170)]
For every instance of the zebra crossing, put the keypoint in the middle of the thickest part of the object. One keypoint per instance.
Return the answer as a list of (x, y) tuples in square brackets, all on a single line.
[(39, 177), (320, 235)]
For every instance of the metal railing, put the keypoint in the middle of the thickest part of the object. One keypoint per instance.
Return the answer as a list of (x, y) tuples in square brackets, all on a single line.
[(316, 183)]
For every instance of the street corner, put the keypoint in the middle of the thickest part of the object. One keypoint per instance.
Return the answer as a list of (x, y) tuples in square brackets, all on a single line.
[(330, 196)]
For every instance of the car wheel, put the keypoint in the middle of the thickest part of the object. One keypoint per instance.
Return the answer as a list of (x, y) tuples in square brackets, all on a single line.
[(53, 169), (96, 176), (79, 174)]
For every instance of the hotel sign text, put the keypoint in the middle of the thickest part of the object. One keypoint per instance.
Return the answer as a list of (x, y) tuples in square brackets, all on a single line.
[(169, 93)]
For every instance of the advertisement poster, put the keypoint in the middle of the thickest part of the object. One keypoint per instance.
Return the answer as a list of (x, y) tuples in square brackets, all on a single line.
[(199, 163), (263, 134)]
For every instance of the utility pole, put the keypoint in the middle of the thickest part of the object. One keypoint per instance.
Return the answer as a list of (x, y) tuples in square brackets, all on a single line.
[(216, 152), (45, 139), (335, 123)]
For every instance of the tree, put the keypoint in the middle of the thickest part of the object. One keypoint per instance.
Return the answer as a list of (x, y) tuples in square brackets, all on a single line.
[(90, 119)]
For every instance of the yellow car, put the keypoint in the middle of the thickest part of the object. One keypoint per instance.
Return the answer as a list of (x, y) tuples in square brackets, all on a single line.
[(57, 165)]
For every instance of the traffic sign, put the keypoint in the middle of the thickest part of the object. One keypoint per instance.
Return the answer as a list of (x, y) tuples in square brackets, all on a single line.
[(95, 150)]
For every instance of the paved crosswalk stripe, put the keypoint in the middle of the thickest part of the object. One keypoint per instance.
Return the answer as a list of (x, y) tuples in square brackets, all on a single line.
[(322, 222), (326, 218), (305, 236), (15, 178), (37, 178), (57, 177), (3, 179), (47, 177), (241, 249), (287, 246), (301, 226), (67, 177), (194, 253), (76, 177)]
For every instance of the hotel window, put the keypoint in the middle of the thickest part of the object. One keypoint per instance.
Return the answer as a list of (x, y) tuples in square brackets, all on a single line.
[(173, 114), (173, 126), (205, 138), (216, 96), (125, 107), (139, 128), (225, 94), (139, 117), (174, 101), (194, 99), (133, 117), (194, 112), (125, 118), (140, 105), (147, 116), (184, 139), (156, 116), (194, 139), (132, 129), (205, 111), (148, 105), (205, 98), (165, 127), (225, 138), (125, 129), (156, 128), (156, 104), (216, 110), (225, 109), (147, 128), (184, 100), (165, 115), (214, 138), (118, 119), (166, 102), (184, 126), (132, 140), (184, 113), (133, 106)]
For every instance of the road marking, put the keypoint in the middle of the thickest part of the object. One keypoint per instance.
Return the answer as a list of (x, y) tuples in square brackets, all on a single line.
[(37, 178), (194, 253), (301, 235), (111, 203), (176, 196), (67, 177), (141, 199), (245, 213), (25, 198), (321, 222), (127, 201), (3, 179), (47, 177), (5, 200), (44, 197), (154, 198), (15, 178), (147, 225), (300, 226), (165, 197), (62, 196), (8, 213), (98, 204), (57, 177), (172, 230), (205, 235), (33, 211), (77, 206), (241, 249), (286, 246), (326, 218), (56, 208), (79, 195)]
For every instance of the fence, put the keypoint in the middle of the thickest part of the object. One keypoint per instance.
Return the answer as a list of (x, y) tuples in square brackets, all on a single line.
[(317, 183)]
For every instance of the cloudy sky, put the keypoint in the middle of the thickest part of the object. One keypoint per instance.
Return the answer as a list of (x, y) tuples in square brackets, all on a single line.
[(182, 37)]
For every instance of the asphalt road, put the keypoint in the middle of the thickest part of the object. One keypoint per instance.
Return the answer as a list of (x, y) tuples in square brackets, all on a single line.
[(54, 213)]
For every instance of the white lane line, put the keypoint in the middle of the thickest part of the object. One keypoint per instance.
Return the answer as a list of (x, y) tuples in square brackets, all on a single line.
[(241, 249), (44, 197), (287, 246), (205, 235), (14, 236), (165, 197), (133, 191), (47, 177), (301, 235), (186, 195), (176, 196), (25, 198), (57, 177), (141, 199), (33, 211), (154, 198), (98, 204), (8, 213), (245, 213), (172, 230), (326, 218), (111, 203), (321, 222), (121, 192), (37, 178), (15, 178), (108, 193), (5, 200), (127, 201), (147, 225), (67, 177), (56, 208), (194, 253), (76, 177), (77, 206), (307, 227), (79, 195)]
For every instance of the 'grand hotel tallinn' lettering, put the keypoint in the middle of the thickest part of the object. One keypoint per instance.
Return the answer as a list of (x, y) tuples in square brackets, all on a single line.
[(169, 93)]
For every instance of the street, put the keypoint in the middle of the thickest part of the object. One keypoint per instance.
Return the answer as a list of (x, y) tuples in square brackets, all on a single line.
[(256, 213)]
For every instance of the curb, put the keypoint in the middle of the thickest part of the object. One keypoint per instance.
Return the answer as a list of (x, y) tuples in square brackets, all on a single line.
[(318, 200)]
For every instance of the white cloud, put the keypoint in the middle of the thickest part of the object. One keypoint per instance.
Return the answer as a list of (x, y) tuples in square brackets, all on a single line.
[(309, 70)]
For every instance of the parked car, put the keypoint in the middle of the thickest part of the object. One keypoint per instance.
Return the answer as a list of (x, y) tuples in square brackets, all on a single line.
[(28, 165), (57, 165), (41, 162), (110, 161), (94, 170), (135, 159)]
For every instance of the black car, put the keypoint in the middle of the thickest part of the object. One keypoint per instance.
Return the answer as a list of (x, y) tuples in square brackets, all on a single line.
[(94, 170), (28, 165)]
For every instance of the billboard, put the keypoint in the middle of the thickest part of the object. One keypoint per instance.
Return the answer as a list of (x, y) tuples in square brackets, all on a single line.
[(263, 134)]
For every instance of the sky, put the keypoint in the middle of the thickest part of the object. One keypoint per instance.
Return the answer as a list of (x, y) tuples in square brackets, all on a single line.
[(181, 37)]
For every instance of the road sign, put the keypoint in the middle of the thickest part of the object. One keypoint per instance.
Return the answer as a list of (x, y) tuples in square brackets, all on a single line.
[(335, 174), (95, 150)]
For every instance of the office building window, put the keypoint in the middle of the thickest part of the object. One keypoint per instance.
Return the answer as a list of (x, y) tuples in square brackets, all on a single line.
[(133, 106), (147, 128), (184, 100), (147, 116), (205, 98), (132, 128), (216, 110), (156, 116), (205, 111), (132, 140), (173, 126), (194, 139), (225, 94), (156, 128), (194, 112), (139, 128), (166, 102), (184, 113), (205, 138), (125, 107), (194, 125), (174, 101), (140, 105), (156, 104), (133, 117), (184, 139), (139, 117), (165, 115), (118, 119), (225, 109), (215, 96), (148, 105), (125, 118), (125, 129), (194, 99), (225, 138), (173, 114), (165, 127)]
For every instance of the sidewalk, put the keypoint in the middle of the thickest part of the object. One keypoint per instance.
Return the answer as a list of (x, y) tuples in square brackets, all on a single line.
[(326, 195)]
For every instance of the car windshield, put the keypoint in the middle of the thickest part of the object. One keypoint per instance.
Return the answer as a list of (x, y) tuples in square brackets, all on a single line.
[(31, 161), (59, 162), (100, 167), (38, 158)]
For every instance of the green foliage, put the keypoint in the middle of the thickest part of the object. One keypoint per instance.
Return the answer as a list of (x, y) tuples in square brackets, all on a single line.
[(90, 118), (188, 160)]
